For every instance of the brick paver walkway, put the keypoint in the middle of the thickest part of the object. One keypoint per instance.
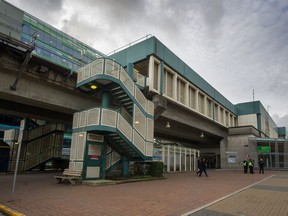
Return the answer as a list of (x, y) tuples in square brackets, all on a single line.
[(178, 194), (269, 197)]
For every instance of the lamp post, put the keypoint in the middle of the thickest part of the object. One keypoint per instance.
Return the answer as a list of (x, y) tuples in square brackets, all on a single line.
[(20, 137)]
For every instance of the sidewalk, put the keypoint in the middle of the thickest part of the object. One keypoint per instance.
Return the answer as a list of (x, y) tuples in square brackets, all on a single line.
[(178, 194), (268, 197)]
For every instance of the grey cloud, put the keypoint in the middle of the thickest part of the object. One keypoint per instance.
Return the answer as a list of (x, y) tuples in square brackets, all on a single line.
[(46, 10)]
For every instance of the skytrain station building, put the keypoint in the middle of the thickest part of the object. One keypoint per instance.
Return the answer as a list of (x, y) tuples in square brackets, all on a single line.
[(141, 103)]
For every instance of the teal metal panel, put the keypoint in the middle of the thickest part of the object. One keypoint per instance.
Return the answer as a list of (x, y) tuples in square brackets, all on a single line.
[(135, 53), (252, 107), (152, 46), (282, 132)]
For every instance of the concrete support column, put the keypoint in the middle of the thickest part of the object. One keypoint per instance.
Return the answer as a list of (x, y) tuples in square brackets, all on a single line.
[(125, 166), (151, 72), (277, 165), (285, 154), (130, 71), (186, 95), (162, 79), (105, 100), (197, 100), (205, 106)]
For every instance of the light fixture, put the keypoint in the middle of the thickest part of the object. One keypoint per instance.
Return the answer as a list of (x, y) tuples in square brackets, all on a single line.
[(167, 125), (202, 135), (93, 87), (81, 135), (136, 122)]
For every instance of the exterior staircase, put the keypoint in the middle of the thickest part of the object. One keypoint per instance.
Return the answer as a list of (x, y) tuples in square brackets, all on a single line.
[(124, 122), (39, 145)]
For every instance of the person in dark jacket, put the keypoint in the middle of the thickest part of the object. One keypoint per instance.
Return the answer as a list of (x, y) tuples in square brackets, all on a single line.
[(261, 165), (203, 168)]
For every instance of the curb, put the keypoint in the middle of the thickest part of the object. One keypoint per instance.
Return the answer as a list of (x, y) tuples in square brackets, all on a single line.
[(9, 211)]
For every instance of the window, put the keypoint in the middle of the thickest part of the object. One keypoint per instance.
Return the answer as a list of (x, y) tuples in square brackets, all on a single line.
[(181, 91), (221, 115), (201, 103), (192, 97), (168, 83), (227, 119), (209, 108)]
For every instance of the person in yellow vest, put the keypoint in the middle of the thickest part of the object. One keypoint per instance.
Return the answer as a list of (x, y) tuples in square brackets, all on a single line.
[(245, 165), (251, 166)]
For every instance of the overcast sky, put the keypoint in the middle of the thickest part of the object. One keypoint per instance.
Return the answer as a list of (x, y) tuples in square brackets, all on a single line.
[(236, 45)]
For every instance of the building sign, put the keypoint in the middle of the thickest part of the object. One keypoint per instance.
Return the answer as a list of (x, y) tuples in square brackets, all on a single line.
[(231, 157), (263, 149)]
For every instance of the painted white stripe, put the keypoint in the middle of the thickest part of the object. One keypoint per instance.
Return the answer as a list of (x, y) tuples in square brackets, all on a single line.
[(215, 201)]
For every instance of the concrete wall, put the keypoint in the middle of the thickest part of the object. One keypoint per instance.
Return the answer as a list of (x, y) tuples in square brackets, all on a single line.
[(237, 147), (38, 96)]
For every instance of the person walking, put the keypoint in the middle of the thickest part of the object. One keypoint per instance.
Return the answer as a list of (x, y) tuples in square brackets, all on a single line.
[(245, 165), (199, 165), (261, 165), (203, 168)]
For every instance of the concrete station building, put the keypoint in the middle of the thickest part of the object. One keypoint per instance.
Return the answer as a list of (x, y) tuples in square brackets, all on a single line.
[(140, 103)]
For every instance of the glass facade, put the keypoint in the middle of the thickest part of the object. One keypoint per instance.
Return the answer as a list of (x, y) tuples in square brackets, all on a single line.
[(56, 46)]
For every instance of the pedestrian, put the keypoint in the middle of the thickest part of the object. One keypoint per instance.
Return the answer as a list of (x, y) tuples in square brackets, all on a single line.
[(261, 165), (245, 165), (199, 165), (251, 166), (203, 168)]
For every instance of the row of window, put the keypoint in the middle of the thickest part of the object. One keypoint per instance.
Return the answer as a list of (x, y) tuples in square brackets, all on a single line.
[(177, 88), (54, 45), (68, 41)]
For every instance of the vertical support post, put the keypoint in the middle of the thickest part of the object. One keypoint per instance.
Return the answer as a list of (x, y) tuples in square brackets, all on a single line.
[(174, 153), (130, 71), (20, 137), (180, 159), (105, 100), (185, 159), (168, 158), (194, 153), (125, 166)]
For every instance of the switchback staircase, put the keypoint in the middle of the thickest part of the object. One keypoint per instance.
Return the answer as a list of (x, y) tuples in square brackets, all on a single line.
[(39, 145), (124, 122)]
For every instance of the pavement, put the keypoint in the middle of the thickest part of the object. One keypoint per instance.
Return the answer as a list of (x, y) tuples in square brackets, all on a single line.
[(224, 192)]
